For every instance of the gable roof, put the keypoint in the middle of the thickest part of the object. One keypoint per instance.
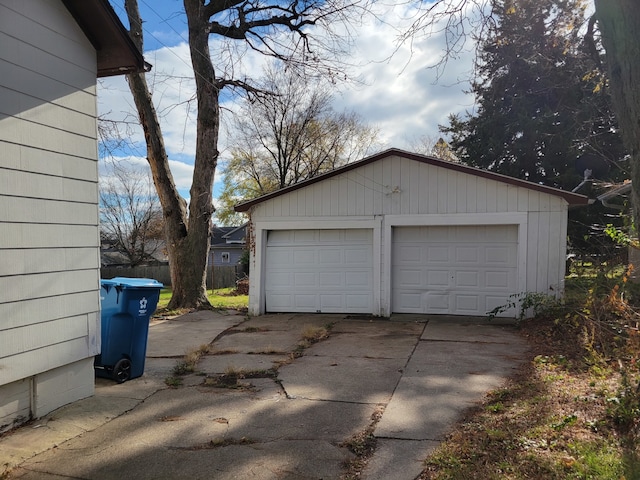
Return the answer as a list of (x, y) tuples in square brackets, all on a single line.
[(237, 234), (117, 55), (571, 198), (228, 236)]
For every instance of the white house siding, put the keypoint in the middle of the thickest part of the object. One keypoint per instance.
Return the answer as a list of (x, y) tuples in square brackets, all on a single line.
[(49, 262), (395, 191)]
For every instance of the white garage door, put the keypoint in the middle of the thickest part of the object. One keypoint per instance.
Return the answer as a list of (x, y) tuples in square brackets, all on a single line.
[(326, 271), (456, 270)]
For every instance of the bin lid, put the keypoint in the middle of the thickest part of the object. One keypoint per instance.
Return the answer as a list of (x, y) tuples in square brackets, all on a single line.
[(126, 282)]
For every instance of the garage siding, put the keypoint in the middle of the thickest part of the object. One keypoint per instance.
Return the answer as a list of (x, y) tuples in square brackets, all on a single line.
[(400, 186), (429, 194), (49, 259)]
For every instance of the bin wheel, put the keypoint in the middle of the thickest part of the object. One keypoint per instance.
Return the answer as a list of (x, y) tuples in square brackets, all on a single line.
[(122, 370)]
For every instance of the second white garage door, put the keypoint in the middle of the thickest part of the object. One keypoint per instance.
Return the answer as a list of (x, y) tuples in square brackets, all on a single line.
[(326, 271), (455, 270)]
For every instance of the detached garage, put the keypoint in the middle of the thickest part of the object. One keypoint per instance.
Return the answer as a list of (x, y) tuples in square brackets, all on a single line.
[(405, 233)]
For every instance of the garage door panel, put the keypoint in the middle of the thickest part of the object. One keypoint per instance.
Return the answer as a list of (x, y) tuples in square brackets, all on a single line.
[(331, 279), (279, 300), (305, 301), (410, 254), (324, 271), (467, 279), (498, 254), (357, 236), (328, 236), (281, 279), (437, 302), (409, 278), (330, 256), (437, 253), (436, 234), (467, 303), (497, 280), (468, 254), (492, 302), (276, 237), (412, 301), (357, 302), (358, 279), (357, 256), (304, 280), (330, 302), (464, 270), (304, 236), (279, 256), (304, 257), (437, 279)]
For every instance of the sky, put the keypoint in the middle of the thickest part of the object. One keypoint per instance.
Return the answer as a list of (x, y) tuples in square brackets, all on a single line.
[(397, 92)]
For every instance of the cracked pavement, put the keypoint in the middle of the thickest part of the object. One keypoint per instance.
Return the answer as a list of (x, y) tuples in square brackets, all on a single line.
[(420, 372)]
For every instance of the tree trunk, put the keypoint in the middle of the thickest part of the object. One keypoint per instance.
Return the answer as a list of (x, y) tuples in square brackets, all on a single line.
[(187, 239), (207, 129), (619, 23)]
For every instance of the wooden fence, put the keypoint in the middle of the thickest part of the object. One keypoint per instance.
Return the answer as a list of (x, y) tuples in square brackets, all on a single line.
[(217, 277)]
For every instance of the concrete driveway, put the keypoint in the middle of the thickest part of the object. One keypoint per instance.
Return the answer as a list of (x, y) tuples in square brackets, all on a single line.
[(407, 380)]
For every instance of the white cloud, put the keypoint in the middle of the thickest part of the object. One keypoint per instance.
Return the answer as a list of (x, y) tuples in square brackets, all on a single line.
[(399, 93), (403, 93)]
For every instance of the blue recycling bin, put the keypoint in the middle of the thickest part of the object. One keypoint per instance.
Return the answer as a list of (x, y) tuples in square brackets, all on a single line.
[(127, 305)]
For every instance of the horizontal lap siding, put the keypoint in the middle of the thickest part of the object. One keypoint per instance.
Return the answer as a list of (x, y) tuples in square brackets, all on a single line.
[(49, 262)]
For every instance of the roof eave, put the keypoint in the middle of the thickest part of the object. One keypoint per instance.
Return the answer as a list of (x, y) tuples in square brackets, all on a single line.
[(116, 52)]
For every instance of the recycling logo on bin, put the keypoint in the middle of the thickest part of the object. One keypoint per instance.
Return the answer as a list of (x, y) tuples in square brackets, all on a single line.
[(143, 306)]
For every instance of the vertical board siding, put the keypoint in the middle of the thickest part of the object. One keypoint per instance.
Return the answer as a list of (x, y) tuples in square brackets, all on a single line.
[(49, 262), (557, 244), (401, 186)]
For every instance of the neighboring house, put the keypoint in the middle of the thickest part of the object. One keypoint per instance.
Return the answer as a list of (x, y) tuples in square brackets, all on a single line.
[(404, 233), (51, 52), (227, 245), (111, 256)]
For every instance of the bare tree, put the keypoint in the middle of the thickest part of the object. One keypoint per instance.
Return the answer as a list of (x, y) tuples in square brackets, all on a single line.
[(285, 30), (439, 148), (288, 136), (130, 214)]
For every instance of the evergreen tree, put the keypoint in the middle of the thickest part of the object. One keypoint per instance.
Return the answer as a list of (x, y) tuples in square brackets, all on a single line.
[(543, 113)]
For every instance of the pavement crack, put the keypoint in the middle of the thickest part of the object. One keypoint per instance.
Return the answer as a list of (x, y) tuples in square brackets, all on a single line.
[(217, 443), (363, 445)]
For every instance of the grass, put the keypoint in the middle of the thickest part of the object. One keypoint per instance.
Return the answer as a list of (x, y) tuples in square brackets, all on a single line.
[(362, 445), (572, 411), (186, 365), (223, 298), (233, 376)]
